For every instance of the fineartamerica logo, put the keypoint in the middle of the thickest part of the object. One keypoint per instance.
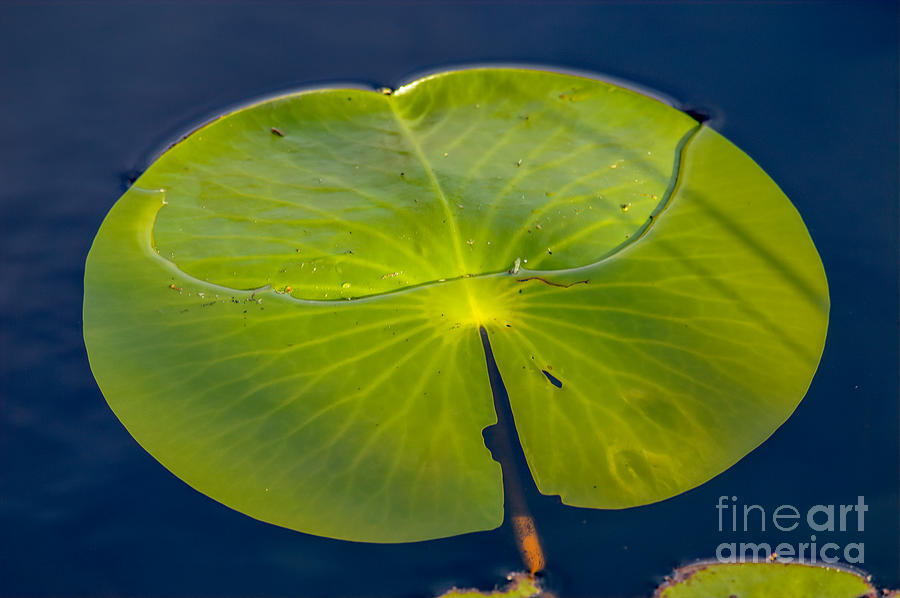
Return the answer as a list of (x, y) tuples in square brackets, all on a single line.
[(733, 517)]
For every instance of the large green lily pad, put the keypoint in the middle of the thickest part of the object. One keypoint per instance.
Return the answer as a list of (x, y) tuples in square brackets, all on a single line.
[(285, 307)]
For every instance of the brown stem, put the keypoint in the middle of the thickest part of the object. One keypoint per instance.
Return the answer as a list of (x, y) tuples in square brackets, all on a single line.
[(506, 449)]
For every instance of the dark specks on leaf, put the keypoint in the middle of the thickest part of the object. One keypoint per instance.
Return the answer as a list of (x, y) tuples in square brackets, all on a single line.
[(553, 379), (277, 132)]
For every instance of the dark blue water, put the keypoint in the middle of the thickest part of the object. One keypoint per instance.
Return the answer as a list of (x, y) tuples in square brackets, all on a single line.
[(89, 91)]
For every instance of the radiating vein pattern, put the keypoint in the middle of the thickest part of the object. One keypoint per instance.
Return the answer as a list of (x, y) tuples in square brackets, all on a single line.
[(290, 321), (679, 354), (255, 399), (364, 193)]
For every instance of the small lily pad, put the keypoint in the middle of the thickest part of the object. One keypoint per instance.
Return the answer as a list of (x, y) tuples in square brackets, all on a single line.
[(765, 580), (521, 585)]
